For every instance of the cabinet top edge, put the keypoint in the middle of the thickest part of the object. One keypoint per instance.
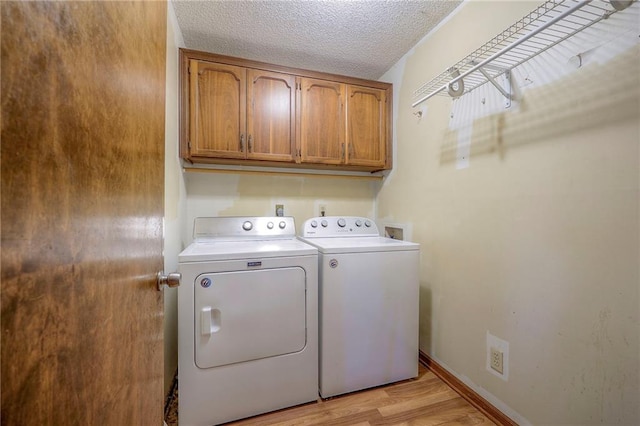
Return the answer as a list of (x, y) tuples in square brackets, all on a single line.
[(187, 54)]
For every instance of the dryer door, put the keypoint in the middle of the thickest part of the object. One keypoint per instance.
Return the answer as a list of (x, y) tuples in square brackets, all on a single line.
[(246, 315)]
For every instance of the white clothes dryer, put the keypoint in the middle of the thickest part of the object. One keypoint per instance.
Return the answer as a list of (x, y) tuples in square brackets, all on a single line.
[(247, 320), (368, 299)]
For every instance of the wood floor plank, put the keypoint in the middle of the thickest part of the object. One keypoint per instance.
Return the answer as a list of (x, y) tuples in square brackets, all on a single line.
[(444, 393), (320, 411), (423, 401), (370, 416), (448, 420), (452, 411), (417, 389), (468, 420)]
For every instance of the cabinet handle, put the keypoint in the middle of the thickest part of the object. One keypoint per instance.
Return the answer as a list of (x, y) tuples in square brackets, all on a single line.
[(342, 149), (242, 143), (250, 143)]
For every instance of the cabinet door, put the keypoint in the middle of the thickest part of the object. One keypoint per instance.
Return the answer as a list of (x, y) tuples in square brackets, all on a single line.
[(217, 110), (270, 116), (366, 126), (322, 121)]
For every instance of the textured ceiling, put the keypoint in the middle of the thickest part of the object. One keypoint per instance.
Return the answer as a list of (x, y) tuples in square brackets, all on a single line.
[(355, 38)]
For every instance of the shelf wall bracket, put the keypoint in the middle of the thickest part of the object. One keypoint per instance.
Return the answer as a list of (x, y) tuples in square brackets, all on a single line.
[(505, 90)]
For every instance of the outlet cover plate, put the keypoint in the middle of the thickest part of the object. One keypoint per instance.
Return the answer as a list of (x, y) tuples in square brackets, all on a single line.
[(502, 346), (496, 360)]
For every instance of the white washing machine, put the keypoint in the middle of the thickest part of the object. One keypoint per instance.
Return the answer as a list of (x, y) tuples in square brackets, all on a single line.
[(247, 320), (368, 298)]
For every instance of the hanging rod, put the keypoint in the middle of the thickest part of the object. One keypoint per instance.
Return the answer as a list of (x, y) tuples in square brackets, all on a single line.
[(445, 81)]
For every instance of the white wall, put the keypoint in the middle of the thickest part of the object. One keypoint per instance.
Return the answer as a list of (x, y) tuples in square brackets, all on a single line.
[(536, 239), (222, 194), (174, 198)]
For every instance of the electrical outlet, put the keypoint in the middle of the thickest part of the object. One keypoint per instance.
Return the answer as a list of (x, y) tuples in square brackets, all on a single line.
[(323, 210), (496, 360), (279, 209)]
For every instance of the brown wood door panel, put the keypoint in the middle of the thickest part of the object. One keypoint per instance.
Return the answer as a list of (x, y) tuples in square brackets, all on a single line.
[(217, 110), (322, 121), (83, 101), (366, 126), (270, 116)]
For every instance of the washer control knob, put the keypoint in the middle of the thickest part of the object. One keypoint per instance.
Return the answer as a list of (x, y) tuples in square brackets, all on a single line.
[(314, 224), (358, 223), (270, 225), (342, 223), (367, 223), (282, 225), (324, 223), (247, 226)]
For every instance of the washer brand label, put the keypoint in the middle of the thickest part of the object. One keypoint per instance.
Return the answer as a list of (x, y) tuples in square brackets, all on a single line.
[(205, 282), (253, 264), (333, 263)]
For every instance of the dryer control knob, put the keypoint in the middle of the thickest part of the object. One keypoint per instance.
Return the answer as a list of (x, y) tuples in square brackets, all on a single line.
[(342, 223), (358, 223), (367, 223), (314, 224), (247, 226), (270, 225), (282, 225), (324, 223)]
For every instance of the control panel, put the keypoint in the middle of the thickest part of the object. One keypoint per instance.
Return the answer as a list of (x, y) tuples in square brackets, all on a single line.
[(339, 226), (237, 227)]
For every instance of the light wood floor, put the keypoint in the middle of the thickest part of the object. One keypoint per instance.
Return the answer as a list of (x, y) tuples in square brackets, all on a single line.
[(426, 400)]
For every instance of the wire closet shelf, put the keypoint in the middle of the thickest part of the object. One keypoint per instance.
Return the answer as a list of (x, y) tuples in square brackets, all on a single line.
[(549, 24)]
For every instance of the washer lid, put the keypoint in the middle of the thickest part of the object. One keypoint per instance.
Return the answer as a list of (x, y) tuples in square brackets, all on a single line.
[(360, 244), (237, 250)]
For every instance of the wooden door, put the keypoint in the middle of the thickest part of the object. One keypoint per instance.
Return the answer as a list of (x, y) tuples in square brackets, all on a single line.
[(366, 126), (83, 101), (217, 110), (270, 116), (322, 121)]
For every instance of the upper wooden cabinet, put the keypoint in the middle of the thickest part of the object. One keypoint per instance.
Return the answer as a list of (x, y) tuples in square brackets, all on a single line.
[(270, 116), (322, 121), (342, 124), (366, 126), (240, 113), (235, 111), (217, 113)]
